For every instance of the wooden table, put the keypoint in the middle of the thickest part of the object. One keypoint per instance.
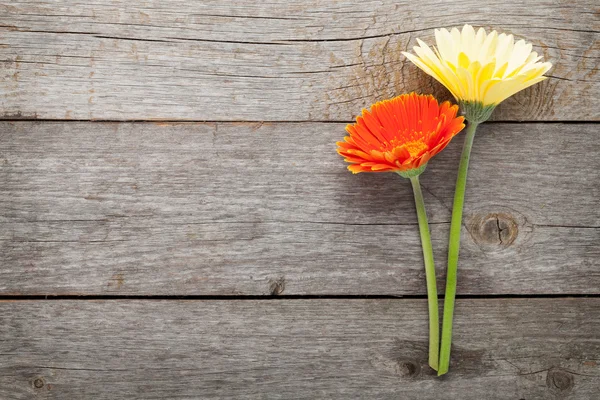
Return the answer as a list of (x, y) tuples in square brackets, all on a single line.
[(175, 222)]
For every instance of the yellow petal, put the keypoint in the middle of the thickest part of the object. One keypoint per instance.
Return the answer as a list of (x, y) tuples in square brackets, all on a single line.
[(445, 46), (507, 88), (463, 60), (500, 71), (519, 55)]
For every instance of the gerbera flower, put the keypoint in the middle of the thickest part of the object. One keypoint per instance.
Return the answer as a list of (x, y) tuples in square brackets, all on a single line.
[(400, 135), (480, 70)]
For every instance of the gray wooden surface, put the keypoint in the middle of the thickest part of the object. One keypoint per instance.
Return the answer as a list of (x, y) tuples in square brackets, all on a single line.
[(268, 60), (226, 209), (296, 349), (230, 205)]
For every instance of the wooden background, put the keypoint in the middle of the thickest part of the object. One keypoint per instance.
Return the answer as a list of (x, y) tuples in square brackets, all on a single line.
[(175, 222)]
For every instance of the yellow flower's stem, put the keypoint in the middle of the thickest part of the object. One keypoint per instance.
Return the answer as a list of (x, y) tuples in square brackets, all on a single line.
[(453, 249), (432, 295)]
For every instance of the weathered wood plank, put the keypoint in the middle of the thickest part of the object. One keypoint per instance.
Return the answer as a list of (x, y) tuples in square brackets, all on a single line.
[(266, 60), (300, 349), (214, 209)]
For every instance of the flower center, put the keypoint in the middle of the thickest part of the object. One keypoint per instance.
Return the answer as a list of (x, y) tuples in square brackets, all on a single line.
[(415, 147)]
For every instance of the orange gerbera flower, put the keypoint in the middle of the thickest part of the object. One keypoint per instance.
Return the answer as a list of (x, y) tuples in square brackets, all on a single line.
[(400, 134)]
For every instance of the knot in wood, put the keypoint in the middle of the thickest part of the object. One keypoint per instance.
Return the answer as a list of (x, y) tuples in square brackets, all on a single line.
[(497, 229), (38, 383), (276, 286), (407, 369), (560, 380)]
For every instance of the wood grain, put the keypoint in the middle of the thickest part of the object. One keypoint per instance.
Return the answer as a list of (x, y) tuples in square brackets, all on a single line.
[(302, 349), (258, 209), (267, 60)]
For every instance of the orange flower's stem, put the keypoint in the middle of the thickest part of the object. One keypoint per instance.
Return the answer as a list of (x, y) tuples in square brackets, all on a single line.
[(432, 295), (453, 249)]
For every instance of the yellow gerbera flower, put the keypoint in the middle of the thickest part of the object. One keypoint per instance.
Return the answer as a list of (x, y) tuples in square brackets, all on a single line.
[(481, 70)]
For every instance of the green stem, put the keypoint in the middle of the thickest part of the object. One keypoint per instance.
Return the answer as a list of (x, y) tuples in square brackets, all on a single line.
[(432, 295), (453, 249)]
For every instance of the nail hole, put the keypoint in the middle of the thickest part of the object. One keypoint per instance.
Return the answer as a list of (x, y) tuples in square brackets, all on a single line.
[(38, 383)]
